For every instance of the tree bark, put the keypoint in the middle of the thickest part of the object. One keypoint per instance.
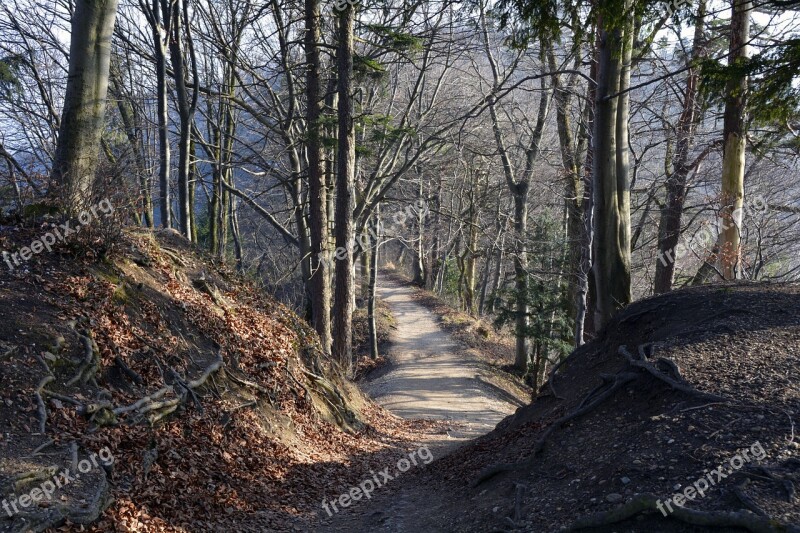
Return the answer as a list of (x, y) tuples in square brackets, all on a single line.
[(160, 26), (186, 107), (612, 254), (319, 286), (345, 178), (84, 102), (669, 230), (735, 139), (584, 317), (373, 282), (573, 189)]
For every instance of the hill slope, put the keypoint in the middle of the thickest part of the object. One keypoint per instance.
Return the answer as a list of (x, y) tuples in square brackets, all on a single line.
[(213, 401)]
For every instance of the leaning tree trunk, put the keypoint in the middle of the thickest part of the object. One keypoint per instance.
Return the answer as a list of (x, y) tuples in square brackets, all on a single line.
[(84, 102), (612, 254), (319, 286), (734, 135), (672, 213), (345, 177)]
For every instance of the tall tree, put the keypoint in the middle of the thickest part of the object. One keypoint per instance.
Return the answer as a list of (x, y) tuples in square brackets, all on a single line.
[(85, 101), (187, 104), (345, 176), (611, 244), (519, 188), (669, 229), (159, 26), (319, 285), (735, 143)]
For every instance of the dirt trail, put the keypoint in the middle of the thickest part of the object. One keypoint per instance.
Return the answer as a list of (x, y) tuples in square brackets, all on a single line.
[(431, 376)]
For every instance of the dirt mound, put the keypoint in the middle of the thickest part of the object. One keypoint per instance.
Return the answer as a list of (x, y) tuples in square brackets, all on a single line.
[(689, 399), (191, 400)]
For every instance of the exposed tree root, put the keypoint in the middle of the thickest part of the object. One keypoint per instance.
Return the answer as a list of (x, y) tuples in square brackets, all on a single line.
[(620, 380), (746, 500), (555, 369), (610, 384), (62, 397), (328, 392), (648, 502), (154, 404), (128, 371), (91, 362), (143, 401), (42, 519), (640, 362), (42, 447), (765, 475), (174, 255), (255, 386), (209, 288), (41, 408), (6, 351), (18, 483)]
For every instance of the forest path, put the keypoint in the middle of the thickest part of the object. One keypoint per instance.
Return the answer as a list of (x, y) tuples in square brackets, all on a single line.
[(434, 377), (431, 375)]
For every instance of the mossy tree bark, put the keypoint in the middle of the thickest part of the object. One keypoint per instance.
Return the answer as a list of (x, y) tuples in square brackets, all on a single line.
[(611, 246), (84, 102)]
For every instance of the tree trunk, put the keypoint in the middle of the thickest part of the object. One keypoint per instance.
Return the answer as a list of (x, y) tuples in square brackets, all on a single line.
[(84, 102), (573, 190), (345, 177), (612, 254), (319, 287), (186, 108), (734, 135), (669, 230), (373, 283), (153, 15)]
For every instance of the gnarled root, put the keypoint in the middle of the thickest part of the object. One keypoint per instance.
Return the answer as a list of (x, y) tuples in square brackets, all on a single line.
[(649, 502), (677, 383), (597, 398), (91, 361)]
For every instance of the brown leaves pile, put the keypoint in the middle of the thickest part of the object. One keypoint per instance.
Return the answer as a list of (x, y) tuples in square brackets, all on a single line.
[(256, 463)]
